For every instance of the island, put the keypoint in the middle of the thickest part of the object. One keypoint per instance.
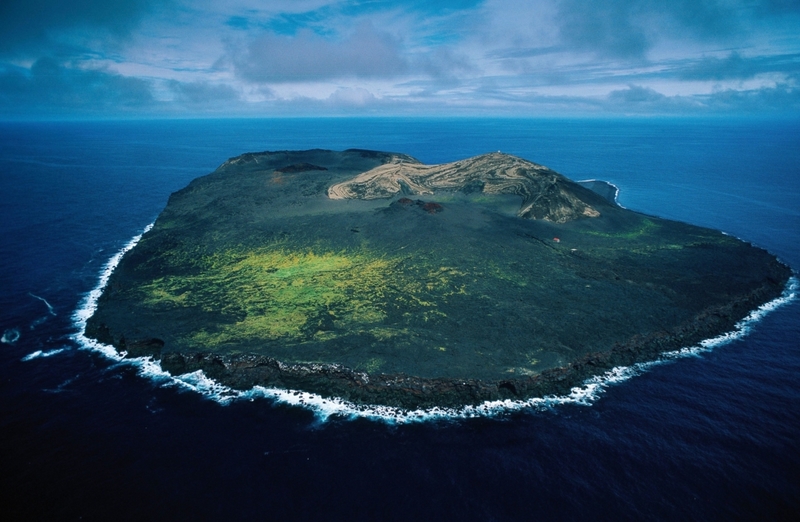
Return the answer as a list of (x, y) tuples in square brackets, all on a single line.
[(372, 277)]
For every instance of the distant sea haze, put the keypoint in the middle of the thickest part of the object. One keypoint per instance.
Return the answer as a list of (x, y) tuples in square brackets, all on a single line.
[(708, 436)]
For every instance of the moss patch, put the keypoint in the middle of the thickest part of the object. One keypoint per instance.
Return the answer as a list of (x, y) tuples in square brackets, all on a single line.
[(276, 293), (646, 226)]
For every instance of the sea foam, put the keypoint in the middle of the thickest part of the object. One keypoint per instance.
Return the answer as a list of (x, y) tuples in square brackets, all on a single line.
[(325, 408), (616, 188), (89, 303), (50, 308), (40, 354), (51, 312), (10, 336)]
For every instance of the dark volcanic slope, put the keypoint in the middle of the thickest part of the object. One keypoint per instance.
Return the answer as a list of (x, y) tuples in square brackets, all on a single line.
[(373, 277)]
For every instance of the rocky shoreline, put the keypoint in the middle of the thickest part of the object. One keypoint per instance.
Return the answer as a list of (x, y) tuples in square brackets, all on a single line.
[(242, 372)]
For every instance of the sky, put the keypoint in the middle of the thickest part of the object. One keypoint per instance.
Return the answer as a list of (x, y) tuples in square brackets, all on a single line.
[(203, 58)]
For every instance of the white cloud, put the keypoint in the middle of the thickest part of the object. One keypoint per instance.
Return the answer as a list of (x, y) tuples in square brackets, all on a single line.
[(408, 56), (306, 56), (351, 97)]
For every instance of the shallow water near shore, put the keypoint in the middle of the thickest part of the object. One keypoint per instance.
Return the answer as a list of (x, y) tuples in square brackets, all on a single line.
[(709, 435)]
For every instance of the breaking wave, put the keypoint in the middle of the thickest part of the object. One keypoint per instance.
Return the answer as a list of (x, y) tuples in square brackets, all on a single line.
[(39, 353), (588, 183), (89, 303), (325, 408), (10, 336)]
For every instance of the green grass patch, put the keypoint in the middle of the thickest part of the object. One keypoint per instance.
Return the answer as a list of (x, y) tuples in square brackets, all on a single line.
[(646, 226), (278, 294)]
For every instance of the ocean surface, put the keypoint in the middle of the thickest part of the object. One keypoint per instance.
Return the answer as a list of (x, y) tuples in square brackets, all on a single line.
[(709, 434)]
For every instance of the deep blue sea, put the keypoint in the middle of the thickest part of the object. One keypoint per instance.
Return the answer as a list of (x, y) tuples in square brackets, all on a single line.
[(712, 436)]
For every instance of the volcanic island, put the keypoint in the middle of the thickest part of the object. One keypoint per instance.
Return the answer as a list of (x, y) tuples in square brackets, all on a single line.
[(372, 277)]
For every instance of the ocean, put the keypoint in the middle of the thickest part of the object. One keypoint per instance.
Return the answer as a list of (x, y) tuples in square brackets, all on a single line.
[(711, 434)]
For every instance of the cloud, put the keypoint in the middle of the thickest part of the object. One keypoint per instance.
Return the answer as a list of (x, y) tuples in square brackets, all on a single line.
[(238, 22), (783, 98), (352, 97), (34, 26), (606, 28), (628, 29), (307, 56), (736, 66), (50, 87), (709, 20), (636, 94), (779, 99), (778, 7), (289, 18), (94, 57), (712, 68), (203, 93)]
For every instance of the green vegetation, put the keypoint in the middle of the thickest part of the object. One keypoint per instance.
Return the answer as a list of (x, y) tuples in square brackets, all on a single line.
[(276, 293), (646, 226)]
